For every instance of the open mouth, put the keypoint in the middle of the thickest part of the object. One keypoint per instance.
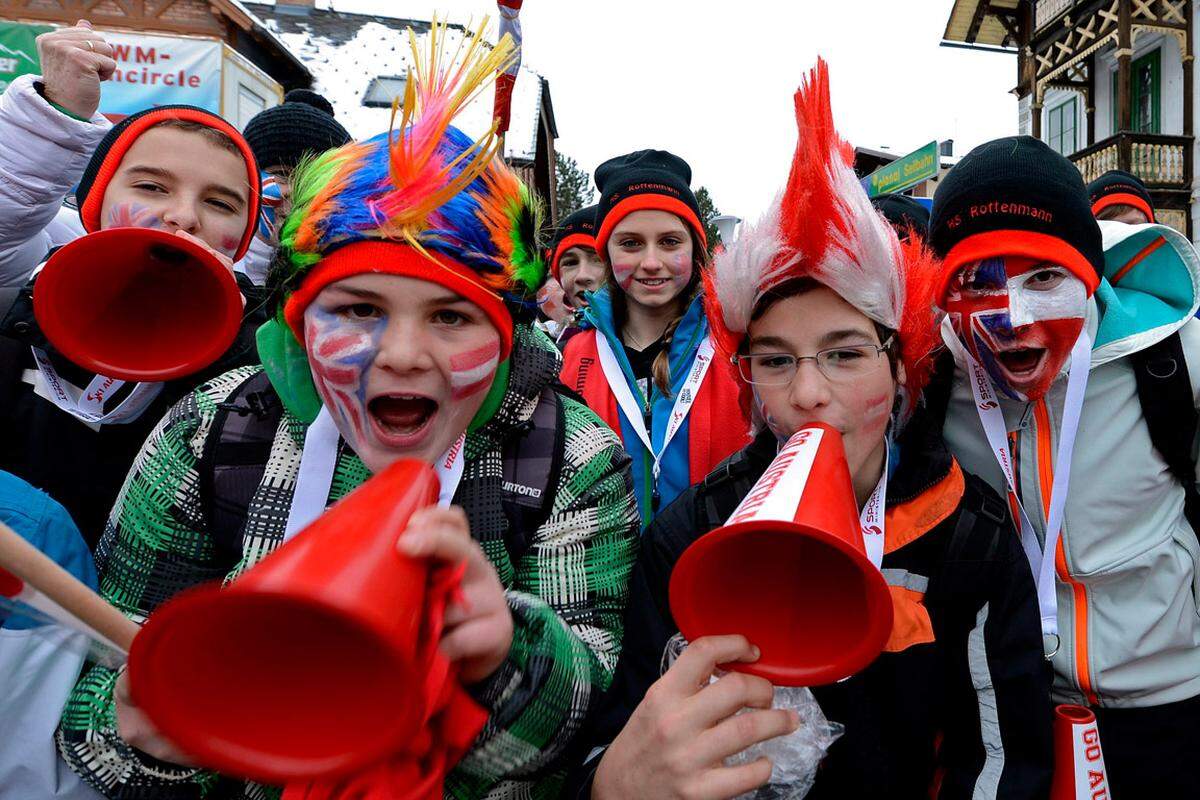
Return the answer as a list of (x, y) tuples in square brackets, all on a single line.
[(401, 420), (1022, 362), (652, 283)]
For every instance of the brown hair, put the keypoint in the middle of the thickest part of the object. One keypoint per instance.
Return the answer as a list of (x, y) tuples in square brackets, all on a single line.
[(214, 136), (1116, 210), (660, 369), (799, 286)]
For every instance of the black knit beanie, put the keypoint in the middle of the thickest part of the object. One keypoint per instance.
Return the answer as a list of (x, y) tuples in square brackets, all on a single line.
[(1116, 187), (903, 212), (647, 179), (576, 230), (1015, 197), (301, 125)]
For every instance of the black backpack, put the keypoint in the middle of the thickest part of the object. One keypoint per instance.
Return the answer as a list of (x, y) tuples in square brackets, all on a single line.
[(237, 448)]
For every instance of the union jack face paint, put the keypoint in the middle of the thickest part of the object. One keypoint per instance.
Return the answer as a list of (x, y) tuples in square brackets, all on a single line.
[(1019, 317), (340, 353), (269, 205), (133, 215)]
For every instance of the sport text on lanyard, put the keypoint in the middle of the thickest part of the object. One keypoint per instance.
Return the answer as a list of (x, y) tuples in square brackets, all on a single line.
[(319, 460), (873, 519), (1040, 555), (633, 411), (89, 406)]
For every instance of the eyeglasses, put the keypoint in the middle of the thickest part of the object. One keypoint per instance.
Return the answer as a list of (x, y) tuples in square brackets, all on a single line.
[(837, 364)]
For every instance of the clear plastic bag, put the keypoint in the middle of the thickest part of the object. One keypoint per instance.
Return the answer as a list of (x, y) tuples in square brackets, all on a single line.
[(794, 757)]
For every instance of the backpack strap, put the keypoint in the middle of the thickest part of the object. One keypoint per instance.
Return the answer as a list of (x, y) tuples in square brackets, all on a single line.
[(530, 465), (1164, 388), (235, 457)]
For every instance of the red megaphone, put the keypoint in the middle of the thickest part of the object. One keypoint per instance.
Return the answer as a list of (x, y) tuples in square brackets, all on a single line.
[(789, 571), (306, 666), (1078, 760), (137, 304)]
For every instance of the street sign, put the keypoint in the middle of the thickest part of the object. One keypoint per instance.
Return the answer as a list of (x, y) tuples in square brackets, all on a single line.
[(18, 52), (904, 173)]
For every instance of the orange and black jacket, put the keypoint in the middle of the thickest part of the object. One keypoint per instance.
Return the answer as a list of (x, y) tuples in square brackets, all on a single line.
[(957, 705)]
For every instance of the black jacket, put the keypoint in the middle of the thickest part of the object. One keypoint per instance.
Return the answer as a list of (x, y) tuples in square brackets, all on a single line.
[(79, 466), (969, 710)]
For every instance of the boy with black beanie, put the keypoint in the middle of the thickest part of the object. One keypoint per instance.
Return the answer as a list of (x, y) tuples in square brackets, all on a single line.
[(180, 169), (302, 125), (1119, 196), (1053, 319)]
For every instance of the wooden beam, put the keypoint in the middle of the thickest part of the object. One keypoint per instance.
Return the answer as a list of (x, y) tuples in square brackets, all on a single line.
[(981, 9), (1090, 102), (1124, 66), (1189, 66)]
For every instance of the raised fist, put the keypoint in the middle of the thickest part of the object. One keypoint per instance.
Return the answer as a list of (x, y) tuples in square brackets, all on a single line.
[(74, 62)]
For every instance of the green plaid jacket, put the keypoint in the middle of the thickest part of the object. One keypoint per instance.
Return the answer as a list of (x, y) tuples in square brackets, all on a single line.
[(567, 592)]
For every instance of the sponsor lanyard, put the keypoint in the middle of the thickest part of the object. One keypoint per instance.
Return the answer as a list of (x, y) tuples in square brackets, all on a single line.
[(633, 411), (88, 406), (873, 517), (987, 405), (319, 461)]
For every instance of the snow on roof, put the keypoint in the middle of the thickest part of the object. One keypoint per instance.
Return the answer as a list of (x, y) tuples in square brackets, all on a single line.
[(345, 52)]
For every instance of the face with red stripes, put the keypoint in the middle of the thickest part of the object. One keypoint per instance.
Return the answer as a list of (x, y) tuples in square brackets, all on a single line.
[(402, 364), (1019, 317)]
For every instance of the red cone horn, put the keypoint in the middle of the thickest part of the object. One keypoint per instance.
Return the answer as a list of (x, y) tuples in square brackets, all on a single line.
[(137, 304), (789, 571), (306, 666), (1079, 772)]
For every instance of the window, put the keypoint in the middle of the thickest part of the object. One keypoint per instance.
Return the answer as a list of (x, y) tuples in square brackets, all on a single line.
[(1144, 85), (1060, 127), (249, 103), (381, 91)]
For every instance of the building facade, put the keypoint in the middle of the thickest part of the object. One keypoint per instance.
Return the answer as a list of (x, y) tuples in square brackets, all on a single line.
[(1107, 83)]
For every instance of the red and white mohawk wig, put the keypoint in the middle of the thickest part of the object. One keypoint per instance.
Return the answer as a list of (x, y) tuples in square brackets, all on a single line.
[(824, 227)]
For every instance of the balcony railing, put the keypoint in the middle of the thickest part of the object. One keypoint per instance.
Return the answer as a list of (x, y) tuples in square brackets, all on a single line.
[(1047, 11), (1162, 162)]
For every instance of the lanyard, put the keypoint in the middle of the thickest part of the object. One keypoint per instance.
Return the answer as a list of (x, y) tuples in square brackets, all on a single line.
[(319, 460), (873, 517), (1041, 556), (88, 406), (633, 412)]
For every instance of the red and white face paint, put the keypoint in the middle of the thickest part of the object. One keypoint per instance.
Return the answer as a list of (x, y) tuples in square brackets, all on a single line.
[(1019, 317), (652, 257), (472, 372)]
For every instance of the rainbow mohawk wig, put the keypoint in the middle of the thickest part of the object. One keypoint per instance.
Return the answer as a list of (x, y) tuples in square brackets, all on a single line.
[(824, 227), (424, 184)]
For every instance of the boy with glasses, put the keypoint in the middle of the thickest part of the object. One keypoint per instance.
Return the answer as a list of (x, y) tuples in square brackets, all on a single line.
[(957, 704)]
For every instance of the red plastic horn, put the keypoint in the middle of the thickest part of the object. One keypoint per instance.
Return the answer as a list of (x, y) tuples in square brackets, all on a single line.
[(137, 304), (306, 666), (1078, 760), (789, 571)]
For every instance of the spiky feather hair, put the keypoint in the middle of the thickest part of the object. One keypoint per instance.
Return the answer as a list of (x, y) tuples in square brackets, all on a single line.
[(823, 226), (424, 183)]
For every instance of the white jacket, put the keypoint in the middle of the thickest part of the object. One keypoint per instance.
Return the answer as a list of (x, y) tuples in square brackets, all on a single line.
[(1128, 582), (43, 156)]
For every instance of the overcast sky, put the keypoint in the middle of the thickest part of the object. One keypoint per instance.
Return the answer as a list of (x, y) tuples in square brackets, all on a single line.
[(716, 86)]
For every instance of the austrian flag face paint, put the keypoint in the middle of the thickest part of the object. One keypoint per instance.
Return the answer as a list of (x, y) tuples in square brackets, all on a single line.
[(1019, 317), (472, 372)]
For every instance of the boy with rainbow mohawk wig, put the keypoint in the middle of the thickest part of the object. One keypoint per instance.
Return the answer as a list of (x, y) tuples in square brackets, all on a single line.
[(405, 278)]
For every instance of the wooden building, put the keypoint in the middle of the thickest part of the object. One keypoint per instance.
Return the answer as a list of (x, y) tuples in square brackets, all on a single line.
[(1108, 83)]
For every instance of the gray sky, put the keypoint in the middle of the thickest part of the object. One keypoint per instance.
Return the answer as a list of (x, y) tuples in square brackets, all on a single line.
[(714, 82)]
